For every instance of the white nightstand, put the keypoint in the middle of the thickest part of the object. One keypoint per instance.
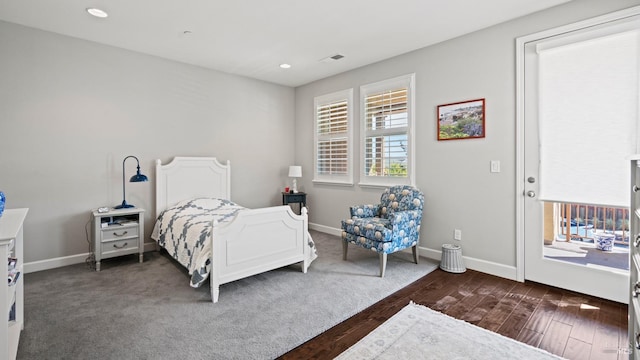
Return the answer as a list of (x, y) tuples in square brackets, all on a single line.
[(118, 232)]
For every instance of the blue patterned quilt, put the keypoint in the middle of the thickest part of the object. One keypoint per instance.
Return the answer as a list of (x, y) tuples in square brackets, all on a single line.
[(183, 229)]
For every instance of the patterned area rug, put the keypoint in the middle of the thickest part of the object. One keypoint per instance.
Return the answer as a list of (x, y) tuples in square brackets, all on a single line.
[(417, 332)]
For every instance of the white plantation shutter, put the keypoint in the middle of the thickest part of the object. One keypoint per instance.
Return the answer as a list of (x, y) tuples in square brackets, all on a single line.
[(391, 104), (333, 137), (332, 157), (332, 141), (588, 115), (387, 122)]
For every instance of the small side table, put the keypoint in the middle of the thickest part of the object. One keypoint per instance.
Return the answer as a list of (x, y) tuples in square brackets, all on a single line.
[(118, 232), (292, 198)]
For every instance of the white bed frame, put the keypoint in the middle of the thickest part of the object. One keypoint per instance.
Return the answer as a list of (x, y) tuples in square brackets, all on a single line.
[(255, 241)]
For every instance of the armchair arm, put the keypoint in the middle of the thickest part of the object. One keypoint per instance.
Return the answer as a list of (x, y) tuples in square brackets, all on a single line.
[(364, 211), (405, 227)]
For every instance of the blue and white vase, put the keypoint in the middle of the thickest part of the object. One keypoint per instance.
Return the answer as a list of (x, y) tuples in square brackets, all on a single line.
[(2, 201)]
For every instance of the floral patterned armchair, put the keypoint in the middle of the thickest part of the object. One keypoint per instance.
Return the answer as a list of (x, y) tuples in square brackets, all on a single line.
[(390, 226)]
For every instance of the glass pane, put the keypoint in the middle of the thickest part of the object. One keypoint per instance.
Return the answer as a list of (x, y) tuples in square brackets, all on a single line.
[(386, 156), (590, 235)]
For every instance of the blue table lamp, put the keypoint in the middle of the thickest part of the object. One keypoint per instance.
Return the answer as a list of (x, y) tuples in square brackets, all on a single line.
[(138, 177)]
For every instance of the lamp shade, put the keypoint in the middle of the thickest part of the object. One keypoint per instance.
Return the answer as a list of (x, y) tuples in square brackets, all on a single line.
[(138, 177), (295, 171)]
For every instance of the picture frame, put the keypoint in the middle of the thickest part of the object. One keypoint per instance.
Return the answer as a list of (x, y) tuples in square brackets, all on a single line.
[(461, 120)]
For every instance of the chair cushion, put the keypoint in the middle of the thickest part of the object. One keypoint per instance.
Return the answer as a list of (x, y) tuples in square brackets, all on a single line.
[(386, 247), (374, 228)]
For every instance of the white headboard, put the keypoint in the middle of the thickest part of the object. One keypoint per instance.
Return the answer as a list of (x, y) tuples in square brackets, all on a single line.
[(186, 178)]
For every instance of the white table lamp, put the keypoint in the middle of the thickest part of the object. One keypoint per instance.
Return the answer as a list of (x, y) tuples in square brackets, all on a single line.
[(295, 171)]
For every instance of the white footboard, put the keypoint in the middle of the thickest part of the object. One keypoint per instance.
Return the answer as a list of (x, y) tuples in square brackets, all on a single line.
[(256, 241)]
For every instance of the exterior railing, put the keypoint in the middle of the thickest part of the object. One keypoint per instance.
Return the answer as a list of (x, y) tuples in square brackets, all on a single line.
[(583, 221)]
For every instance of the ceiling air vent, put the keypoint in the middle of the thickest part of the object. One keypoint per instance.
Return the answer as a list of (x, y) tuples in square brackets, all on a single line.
[(332, 58)]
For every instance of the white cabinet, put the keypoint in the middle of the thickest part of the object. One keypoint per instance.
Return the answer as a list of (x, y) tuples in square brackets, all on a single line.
[(11, 296), (118, 232), (634, 260)]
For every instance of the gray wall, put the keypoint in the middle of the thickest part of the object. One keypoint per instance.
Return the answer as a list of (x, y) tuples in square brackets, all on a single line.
[(71, 110), (460, 191)]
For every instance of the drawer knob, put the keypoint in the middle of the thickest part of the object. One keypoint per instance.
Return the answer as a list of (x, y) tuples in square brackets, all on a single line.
[(123, 234), (637, 241), (125, 245), (636, 188)]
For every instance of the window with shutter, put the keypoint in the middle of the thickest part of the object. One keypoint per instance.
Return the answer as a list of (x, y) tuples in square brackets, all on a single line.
[(387, 141), (333, 137)]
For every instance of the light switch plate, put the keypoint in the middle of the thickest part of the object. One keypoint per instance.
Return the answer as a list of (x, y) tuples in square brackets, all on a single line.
[(495, 166)]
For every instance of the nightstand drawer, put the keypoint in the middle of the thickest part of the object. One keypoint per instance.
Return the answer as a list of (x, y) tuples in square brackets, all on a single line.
[(119, 245), (295, 198), (119, 232)]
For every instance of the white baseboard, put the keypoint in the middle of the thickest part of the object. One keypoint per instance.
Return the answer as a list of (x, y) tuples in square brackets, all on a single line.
[(48, 264), (488, 267), (326, 229), (54, 263)]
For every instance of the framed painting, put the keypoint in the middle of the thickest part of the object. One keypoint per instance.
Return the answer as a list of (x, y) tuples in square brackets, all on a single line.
[(461, 120)]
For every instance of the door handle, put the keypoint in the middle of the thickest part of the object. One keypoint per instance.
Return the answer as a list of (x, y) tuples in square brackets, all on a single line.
[(531, 193)]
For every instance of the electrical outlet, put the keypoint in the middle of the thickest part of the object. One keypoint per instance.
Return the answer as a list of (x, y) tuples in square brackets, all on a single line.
[(457, 234)]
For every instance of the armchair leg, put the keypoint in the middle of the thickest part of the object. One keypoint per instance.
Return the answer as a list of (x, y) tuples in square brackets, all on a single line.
[(415, 254), (383, 263), (344, 250)]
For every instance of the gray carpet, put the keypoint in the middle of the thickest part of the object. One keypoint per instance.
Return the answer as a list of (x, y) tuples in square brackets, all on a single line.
[(148, 311)]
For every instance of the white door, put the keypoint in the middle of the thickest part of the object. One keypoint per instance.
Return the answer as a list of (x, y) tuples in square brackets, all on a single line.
[(602, 282)]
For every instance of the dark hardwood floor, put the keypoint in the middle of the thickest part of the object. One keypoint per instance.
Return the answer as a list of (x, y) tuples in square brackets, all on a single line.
[(565, 323)]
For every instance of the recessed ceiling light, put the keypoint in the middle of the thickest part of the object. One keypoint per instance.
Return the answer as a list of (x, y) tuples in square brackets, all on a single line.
[(97, 12), (285, 66)]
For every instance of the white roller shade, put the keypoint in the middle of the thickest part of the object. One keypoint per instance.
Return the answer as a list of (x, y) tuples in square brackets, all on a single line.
[(588, 96)]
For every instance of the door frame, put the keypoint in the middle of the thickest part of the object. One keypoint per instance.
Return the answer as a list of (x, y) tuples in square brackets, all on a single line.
[(520, 116)]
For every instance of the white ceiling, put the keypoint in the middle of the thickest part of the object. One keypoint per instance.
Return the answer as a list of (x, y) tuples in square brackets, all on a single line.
[(252, 37)]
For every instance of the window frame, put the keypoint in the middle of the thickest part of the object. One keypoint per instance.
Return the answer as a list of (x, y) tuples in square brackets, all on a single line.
[(404, 81), (322, 100)]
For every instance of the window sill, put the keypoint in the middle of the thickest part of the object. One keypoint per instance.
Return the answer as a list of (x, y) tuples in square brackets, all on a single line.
[(334, 183), (382, 185)]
